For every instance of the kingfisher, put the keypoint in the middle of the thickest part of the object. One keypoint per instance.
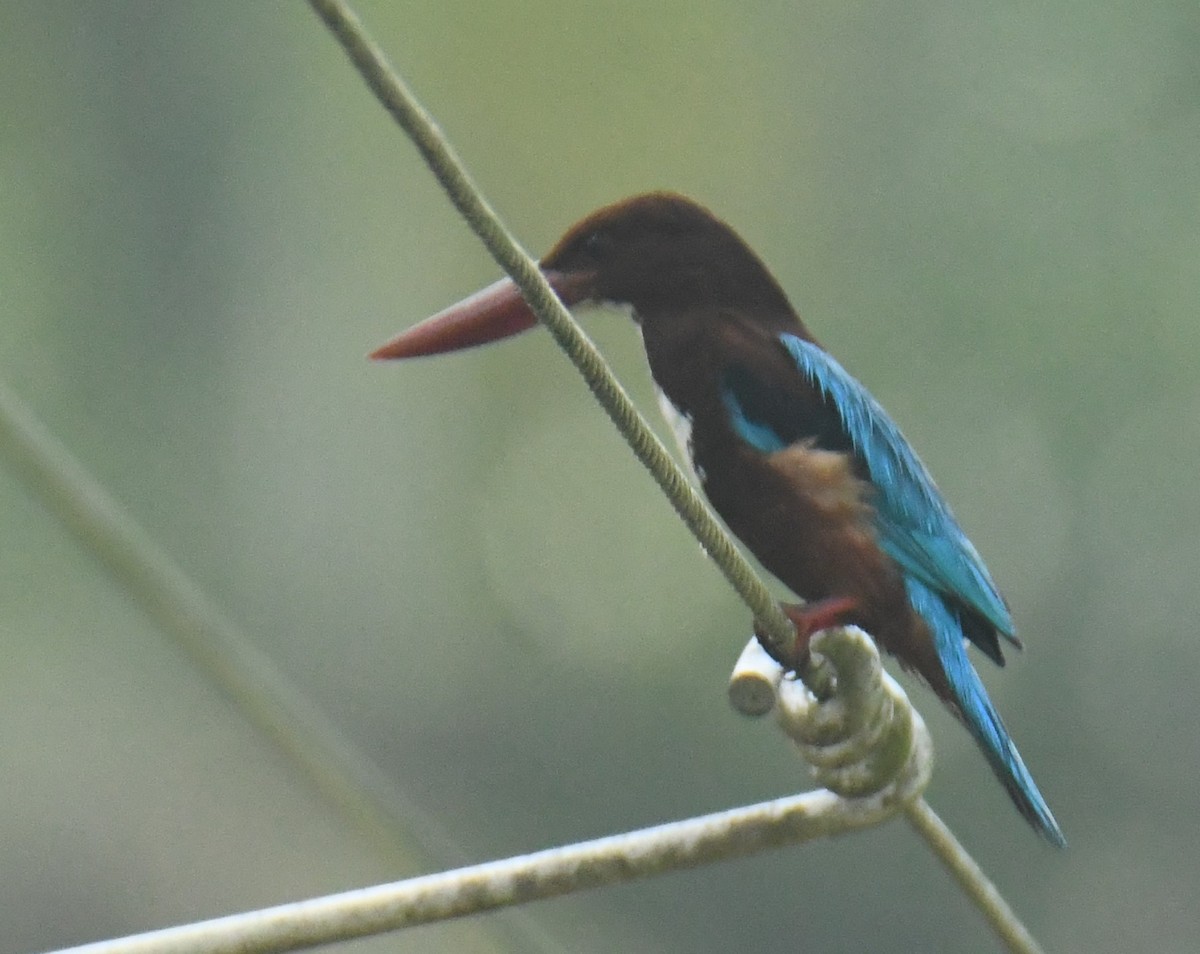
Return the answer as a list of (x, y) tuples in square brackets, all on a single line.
[(802, 463)]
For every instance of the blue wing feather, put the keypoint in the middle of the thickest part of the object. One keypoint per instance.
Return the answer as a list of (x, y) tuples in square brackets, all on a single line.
[(916, 527)]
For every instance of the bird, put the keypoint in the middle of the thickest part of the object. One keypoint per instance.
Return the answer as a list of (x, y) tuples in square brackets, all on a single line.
[(802, 463)]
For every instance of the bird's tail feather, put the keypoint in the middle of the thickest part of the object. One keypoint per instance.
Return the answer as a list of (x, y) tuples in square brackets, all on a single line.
[(980, 716), (986, 726)]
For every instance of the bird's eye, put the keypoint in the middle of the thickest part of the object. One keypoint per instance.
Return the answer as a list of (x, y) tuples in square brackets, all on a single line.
[(598, 244)]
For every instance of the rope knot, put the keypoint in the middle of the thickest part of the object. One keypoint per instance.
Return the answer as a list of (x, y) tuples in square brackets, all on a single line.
[(864, 742)]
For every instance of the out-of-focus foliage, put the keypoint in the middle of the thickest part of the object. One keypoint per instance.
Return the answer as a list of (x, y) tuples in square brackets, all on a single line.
[(988, 211)]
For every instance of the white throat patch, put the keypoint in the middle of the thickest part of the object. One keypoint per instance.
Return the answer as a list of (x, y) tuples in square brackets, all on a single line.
[(680, 424), (681, 427)]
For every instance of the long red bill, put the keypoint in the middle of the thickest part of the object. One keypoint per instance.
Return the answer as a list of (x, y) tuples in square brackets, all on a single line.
[(497, 311)]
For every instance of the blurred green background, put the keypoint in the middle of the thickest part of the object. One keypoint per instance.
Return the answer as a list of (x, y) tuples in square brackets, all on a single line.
[(990, 212)]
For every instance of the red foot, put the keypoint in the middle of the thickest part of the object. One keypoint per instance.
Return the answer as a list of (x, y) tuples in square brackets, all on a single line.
[(808, 619)]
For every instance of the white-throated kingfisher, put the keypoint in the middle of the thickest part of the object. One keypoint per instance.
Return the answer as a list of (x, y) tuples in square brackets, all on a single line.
[(800, 461)]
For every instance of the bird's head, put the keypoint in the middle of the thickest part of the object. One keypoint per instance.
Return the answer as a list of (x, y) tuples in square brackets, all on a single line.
[(660, 254)]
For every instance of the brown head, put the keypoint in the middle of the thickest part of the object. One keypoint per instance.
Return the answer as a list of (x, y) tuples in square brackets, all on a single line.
[(660, 253)]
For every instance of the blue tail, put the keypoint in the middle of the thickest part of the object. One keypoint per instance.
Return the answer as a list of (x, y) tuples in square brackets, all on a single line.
[(978, 713)]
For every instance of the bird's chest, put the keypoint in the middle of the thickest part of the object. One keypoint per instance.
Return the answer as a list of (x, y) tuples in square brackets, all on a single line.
[(682, 425), (703, 431), (686, 371)]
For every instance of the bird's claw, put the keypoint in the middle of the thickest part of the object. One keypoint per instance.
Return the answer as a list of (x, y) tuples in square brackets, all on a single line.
[(808, 619)]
